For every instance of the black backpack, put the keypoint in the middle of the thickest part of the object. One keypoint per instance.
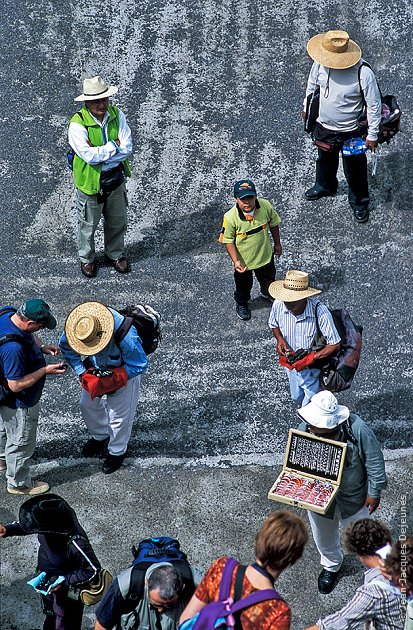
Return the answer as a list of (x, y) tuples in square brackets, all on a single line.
[(338, 372), (6, 395), (150, 551), (147, 322), (390, 114)]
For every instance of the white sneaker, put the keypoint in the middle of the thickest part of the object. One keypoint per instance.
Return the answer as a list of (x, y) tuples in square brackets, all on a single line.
[(37, 487)]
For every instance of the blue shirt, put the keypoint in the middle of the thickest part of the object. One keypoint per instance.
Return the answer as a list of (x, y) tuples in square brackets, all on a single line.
[(128, 354), (19, 359)]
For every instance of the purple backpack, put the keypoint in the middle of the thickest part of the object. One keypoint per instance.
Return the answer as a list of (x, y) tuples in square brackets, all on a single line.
[(220, 614)]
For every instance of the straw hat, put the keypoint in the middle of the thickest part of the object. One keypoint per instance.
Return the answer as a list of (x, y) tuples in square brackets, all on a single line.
[(89, 328), (334, 49), (293, 288), (96, 88), (323, 411)]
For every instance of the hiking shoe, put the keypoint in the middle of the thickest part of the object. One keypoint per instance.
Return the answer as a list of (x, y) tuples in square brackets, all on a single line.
[(112, 463), (3, 465), (37, 487), (243, 312), (95, 448)]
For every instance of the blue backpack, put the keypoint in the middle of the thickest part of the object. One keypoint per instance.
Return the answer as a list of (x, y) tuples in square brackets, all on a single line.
[(150, 551), (220, 614)]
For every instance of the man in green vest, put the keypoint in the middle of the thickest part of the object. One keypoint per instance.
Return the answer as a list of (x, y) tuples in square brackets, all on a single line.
[(101, 141)]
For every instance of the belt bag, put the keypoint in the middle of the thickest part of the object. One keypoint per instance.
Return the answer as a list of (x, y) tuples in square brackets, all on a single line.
[(91, 592), (112, 179), (99, 385)]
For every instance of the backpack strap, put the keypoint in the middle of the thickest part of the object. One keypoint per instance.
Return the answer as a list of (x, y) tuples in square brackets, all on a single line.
[(123, 329), (348, 432), (225, 585), (7, 338), (239, 580), (256, 598)]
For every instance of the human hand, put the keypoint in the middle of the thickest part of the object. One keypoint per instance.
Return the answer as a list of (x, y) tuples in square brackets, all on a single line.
[(2, 531), (238, 267), (56, 368), (372, 144), (304, 115), (283, 348), (278, 250), (50, 349), (372, 504), (117, 142)]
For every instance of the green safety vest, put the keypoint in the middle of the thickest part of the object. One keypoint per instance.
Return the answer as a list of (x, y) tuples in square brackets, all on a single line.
[(87, 176)]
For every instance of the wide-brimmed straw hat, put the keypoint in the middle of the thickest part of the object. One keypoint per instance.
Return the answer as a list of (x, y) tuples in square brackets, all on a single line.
[(323, 411), (47, 515), (295, 287), (334, 49), (96, 88), (89, 328)]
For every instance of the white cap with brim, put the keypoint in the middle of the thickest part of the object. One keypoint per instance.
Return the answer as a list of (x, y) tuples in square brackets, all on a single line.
[(96, 88), (324, 412)]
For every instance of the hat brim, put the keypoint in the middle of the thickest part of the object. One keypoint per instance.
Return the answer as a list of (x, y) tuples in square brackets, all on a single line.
[(316, 417), (246, 193), (278, 291), (112, 89), (50, 322), (29, 525), (337, 61), (107, 323)]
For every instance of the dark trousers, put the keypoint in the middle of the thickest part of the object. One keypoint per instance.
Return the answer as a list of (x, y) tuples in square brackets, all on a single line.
[(62, 612), (243, 282), (354, 166), (355, 171)]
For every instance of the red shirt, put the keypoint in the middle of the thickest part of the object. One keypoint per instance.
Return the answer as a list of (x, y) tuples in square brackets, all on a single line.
[(273, 614)]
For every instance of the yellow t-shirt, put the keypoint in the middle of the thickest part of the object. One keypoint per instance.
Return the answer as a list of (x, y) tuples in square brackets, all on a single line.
[(251, 238)]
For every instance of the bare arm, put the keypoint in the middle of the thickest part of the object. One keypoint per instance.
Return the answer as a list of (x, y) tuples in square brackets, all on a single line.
[(30, 379), (232, 253), (282, 345), (98, 626), (193, 607), (275, 233), (326, 351)]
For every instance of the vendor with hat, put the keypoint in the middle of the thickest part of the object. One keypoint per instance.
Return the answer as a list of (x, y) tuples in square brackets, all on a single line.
[(362, 481), (102, 143), (55, 522), (293, 323), (347, 84), (90, 332)]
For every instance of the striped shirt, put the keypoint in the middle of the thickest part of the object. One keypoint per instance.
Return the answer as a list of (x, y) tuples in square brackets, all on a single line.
[(371, 602), (299, 330)]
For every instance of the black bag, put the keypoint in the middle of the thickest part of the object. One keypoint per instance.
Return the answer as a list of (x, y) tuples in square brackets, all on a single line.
[(338, 371), (311, 110), (151, 551), (147, 322), (6, 395), (112, 179), (390, 114)]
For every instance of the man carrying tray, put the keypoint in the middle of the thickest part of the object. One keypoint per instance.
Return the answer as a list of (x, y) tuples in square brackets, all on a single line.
[(362, 480)]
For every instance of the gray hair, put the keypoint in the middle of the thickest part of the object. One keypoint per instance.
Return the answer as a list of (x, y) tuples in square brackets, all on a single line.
[(168, 581)]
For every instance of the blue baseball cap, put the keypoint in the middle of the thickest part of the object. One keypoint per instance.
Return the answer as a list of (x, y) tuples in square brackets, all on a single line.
[(244, 188)]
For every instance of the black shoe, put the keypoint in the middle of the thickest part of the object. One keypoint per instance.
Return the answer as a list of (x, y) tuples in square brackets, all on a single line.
[(327, 581), (94, 448), (243, 312), (89, 269), (112, 463), (361, 214), (316, 192)]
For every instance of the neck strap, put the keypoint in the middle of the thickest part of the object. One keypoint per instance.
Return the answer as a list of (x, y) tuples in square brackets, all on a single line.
[(263, 572)]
